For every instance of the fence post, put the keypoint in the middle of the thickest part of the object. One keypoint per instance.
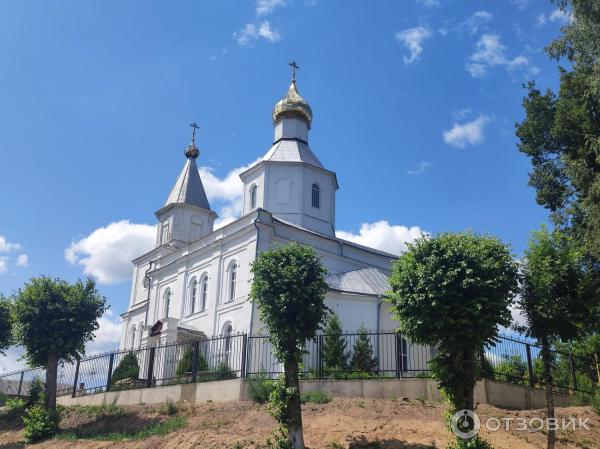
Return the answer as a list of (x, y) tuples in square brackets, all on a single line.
[(243, 368), (573, 374), (320, 357), (195, 349), (20, 385), (150, 368), (397, 345), (74, 393), (111, 360), (529, 365)]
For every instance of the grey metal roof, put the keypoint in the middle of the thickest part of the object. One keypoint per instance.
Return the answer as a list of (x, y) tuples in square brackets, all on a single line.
[(370, 281), (189, 189), (291, 150)]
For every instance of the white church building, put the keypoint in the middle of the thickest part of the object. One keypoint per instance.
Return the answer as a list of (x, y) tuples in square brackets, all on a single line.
[(195, 283)]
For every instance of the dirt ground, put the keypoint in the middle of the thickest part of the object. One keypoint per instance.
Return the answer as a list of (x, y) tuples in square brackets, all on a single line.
[(342, 423)]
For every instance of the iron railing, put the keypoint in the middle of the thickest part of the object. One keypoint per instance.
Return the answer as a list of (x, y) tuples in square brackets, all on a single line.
[(389, 355)]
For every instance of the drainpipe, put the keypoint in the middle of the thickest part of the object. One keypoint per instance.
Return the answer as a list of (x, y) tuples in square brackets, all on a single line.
[(148, 281)]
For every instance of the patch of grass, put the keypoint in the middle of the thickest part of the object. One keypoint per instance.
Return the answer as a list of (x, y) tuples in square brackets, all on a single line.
[(97, 410), (170, 425), (596, 402), (169, 408), (335, 445), (315, 397)]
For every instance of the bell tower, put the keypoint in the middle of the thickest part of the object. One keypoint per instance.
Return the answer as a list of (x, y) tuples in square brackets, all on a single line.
[(186, 215)]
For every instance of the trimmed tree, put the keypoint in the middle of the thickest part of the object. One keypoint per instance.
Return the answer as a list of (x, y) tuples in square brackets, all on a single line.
[(53, 321), (289, 289), (559, 297), (5, 324), (362, 354), (452, 291), (128, 368), (334, 345), (186, 363)]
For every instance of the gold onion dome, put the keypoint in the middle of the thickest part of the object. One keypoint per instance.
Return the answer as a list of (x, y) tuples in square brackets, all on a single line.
[(192, 151), (292, 105)]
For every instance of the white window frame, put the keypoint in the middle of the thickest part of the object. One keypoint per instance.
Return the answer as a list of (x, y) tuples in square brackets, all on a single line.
[(253, 196), (193, 295), (203, 292), (315, 200)]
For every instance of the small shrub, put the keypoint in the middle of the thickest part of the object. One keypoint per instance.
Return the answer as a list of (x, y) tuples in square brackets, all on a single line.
[(315, 397), (128, 368), (185, 364), (36, 389), (40, 423), (596, 402), (168, 408), (335, 445), (260, 388), (15, 406), (3, 399)]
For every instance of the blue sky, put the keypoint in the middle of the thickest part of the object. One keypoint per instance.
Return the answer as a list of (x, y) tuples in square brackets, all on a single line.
[(414, 107)]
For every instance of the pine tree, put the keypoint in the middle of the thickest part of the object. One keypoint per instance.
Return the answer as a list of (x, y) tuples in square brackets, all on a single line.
[(185, 364), (128, 368), (362, 354), (334, 345)]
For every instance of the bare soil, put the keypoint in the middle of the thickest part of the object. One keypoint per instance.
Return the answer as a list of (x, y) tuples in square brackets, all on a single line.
[(347, 423)]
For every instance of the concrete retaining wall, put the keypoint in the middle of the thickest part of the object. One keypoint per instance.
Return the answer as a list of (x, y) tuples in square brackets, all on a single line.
[(486, 392)]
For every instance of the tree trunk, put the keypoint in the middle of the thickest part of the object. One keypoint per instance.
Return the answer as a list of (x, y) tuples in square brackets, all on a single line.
[(294, 411), (547, 360), (51, 374)]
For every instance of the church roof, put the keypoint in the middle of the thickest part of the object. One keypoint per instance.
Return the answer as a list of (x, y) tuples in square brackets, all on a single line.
[(292, 150), (189, 189), (369, 281)]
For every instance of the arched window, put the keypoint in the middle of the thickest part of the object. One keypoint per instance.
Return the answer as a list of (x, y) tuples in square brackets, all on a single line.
[(193, 295), (253, 191), (167, 303), (132, 337), (232, 281), (227, 331), (140, 334), (203, 292), (316, 196)]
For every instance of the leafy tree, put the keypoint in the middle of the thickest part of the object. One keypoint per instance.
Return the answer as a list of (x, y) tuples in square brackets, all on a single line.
[(362, 354), (128, 368), (559, 295), (452, 291), (512, 368), (289, 288), (5, 324), (186, 363), (54, 320), (334, 345), (35, 391)]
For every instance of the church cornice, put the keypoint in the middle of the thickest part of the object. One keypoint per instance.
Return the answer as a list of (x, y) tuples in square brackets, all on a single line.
[(291, 163)]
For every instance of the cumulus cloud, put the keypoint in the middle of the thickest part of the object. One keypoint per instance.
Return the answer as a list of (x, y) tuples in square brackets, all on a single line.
[(107, 252), (469, 133), (521, 4), (423, 165), (3, 265), (477, 21), (264, 7), (384, 236), (412, 39), (23, 261), (7, 247), (489, 53), (225, 192), (251, 32), (558, 15), (429, 3)]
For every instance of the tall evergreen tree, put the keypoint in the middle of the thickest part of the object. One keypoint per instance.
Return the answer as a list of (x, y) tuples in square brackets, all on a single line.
[(335, 355), (362, 354)]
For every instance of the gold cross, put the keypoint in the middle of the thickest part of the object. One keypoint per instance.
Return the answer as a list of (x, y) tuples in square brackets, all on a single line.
[(294, 66), (195, 127)]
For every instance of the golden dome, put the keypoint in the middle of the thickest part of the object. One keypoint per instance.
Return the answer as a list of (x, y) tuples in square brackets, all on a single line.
[(293, 105)]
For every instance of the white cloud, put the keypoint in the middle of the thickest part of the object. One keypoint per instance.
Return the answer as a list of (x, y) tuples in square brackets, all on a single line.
[(226, 192), (383, 236), (423, 165), (264, 7), (477, 21), (490, 52), (108, 251), (521, 4), (23, 261), (469, 133), (412, 39), (3, 265), (10, 361), (107, 336), (7, 247), (250, 33)]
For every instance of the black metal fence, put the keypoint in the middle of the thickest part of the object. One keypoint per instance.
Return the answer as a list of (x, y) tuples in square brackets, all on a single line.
[(363, 355)]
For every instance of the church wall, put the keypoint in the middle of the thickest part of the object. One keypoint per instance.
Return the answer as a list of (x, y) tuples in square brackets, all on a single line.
[(283, 195), (321, 219), (256, 178)]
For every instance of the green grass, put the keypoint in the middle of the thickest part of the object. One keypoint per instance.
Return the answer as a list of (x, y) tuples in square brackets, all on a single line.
[(170, 425), (97, 410), (315, 397)]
